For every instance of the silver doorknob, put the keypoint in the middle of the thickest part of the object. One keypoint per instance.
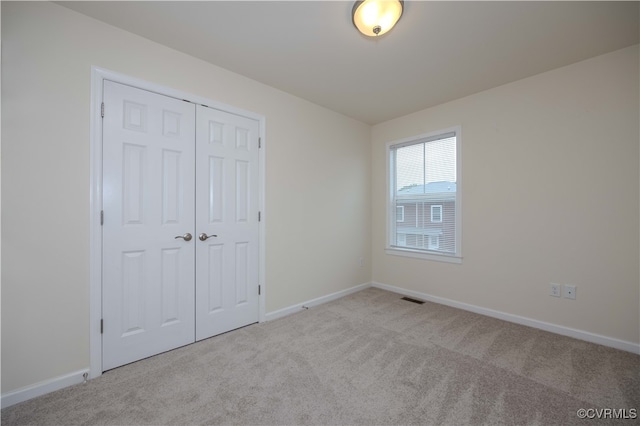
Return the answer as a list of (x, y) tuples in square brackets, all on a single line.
[(203, 236), (186, 237)]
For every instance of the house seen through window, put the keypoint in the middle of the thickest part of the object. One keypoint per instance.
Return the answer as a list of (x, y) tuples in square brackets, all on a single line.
[(424, 198)]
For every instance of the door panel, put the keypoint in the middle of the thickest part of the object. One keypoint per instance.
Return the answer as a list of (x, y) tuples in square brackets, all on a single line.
[(227, 206), (160, 292), (148, 200)]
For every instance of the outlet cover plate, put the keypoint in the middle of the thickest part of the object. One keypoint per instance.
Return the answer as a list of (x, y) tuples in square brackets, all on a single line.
[(569, 291), (555, 290)]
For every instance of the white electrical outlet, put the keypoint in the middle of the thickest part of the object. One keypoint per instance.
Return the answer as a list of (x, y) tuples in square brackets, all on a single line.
[(569, 291), (555, 290)]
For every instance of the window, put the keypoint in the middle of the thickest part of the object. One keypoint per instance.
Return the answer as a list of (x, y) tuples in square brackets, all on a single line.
[(436, 214), (434, 242), (424, 202)]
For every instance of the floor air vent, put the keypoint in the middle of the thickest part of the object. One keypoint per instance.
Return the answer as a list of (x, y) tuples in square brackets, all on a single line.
[(409, 299)]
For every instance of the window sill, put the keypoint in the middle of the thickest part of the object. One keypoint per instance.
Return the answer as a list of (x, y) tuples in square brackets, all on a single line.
[(394, 251)]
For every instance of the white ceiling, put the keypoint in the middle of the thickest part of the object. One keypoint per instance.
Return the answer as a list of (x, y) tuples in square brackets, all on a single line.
[(438, 51)]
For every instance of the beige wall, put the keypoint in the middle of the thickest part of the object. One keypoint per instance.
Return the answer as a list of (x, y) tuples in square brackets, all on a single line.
[(550, 193), (551, 189), (317, 181)]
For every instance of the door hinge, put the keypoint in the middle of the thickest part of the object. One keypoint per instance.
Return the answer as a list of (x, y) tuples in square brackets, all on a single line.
[(102, 110), (101, 326), (259, 290), (259, 142), (101, 217), (259, 216)]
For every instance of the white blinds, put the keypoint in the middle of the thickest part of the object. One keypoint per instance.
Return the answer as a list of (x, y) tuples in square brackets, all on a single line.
[(424, 182)]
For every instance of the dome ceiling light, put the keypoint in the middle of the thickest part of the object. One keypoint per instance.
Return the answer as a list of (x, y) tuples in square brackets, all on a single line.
[(376, 17)]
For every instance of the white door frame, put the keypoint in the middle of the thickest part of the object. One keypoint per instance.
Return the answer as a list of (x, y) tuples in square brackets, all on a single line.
[(98, 75)]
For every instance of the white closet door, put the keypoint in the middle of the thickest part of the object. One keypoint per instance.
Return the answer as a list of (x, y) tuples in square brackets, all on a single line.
[(148, 198), (227, 206)]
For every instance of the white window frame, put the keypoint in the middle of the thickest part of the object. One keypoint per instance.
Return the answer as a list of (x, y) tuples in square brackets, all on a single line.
[(391, 212), (439, 206), (400, 217)]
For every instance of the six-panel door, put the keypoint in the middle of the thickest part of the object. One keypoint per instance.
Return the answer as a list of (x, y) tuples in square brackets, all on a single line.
[(227, 207), (148, 200), (164, 179)]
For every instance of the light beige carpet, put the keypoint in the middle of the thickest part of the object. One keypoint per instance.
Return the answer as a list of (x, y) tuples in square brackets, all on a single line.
[(369, 358)]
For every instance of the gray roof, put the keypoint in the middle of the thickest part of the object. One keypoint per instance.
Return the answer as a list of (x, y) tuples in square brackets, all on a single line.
[(430, 188)]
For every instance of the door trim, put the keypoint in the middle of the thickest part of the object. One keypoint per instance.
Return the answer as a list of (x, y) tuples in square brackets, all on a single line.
[(98, 75)]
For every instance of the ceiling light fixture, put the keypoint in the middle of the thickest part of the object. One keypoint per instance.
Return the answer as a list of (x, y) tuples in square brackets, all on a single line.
[(375, 17)]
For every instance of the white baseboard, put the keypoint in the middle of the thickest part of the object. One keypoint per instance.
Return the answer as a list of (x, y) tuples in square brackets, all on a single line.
[(314, 302), (57, 383), (38, 389), (553, 328), (41, 388)]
